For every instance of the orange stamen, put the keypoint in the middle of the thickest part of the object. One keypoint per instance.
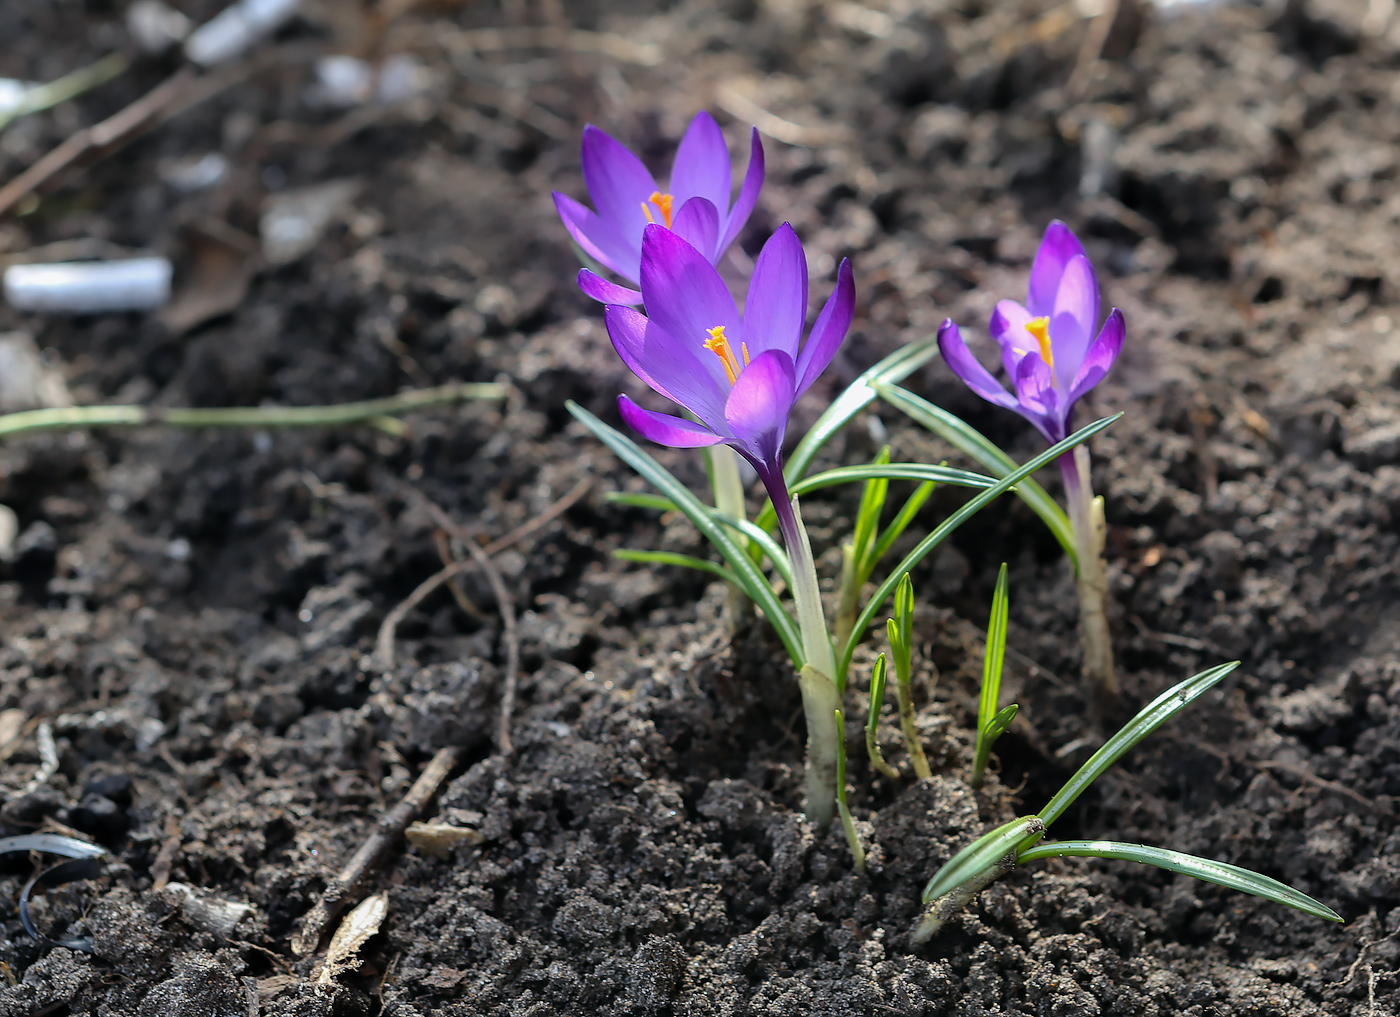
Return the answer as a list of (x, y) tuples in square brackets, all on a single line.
[(1040, 328), (663, 203), (718, 344)]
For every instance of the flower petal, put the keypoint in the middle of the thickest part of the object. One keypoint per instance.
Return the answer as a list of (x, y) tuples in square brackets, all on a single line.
[(1101, 356), (830, 329), (1008, 328), (666, 364), (598, 238), (663, 428), (759, 404), (702, 168), (605, 292), (748, 194), (1074, 319), (698, 223), (685, 296), (617, 182), (776, 307), (1037, 399), (1057, 248), (966, 367)]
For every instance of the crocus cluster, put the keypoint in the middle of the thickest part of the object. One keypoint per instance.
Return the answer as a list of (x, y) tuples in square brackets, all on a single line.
[(738, 375)]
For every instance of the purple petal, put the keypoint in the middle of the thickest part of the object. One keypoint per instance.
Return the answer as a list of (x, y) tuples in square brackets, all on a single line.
[(702, 168), (759, 404), (966, 367), (1008, 328), (686, 297), (698, 223), (1057, 248), (617, 182), (748, 194), (1075, 317), (595, 286), (663, 428), (666, 364), (599, 239), (1037, 399), (830, 329), (776, 307), (1101, 356)]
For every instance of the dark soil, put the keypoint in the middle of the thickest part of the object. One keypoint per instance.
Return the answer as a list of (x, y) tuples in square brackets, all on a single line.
[(194, 613)]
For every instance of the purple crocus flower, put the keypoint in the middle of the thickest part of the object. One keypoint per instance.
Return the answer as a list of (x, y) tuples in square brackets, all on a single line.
[(628, 199), (739, 376), (1048, 346)]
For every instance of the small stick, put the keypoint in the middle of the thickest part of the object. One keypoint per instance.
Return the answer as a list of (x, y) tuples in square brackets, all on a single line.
[(387, 832), (384, 644), (375, 410)]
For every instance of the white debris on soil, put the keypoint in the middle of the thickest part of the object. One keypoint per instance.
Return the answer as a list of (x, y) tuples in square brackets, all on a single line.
[(196, 173), (26, 382), (293, 221), (345, 81), (230, 33), (12, 94), (156, 27), (89, 287)]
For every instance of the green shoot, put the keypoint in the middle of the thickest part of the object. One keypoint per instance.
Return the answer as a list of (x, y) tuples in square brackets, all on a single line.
[(995, 657), (847, 823), (991, 855), (900, 630), (687, 561), (872, 720)]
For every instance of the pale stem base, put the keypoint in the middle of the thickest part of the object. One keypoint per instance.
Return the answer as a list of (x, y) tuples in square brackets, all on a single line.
[(1087, 519), (728, 490), (820, 701), (912, 745)]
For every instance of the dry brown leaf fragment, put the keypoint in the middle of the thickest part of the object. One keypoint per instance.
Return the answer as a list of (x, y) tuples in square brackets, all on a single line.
[(356, 929), (438, 839)]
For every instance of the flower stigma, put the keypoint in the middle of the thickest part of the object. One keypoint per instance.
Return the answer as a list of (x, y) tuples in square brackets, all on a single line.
[(718, 344), (1040, 328), (663, 203)]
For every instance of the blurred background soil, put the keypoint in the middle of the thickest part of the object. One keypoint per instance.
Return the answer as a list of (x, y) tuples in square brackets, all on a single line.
[(193, 614)]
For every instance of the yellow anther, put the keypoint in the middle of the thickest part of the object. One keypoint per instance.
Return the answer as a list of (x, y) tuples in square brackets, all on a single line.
[(1040, 328), (718, 344), (663, 203)]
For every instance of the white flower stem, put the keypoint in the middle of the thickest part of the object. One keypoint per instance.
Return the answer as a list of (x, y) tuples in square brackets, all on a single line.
[(728, 490), (1087, 519)]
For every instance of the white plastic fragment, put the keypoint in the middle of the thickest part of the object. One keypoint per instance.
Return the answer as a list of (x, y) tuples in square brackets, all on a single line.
[(156, 27), (89, 287), (293, 221), (229, 33), (12, 94)]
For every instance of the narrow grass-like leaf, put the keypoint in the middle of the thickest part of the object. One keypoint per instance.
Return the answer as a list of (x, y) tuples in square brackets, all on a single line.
[(995, 656), (901, 522), (686, 561), (893, 471), (858, 395), (1220, 873), (848, 824), (877, 693), (950, 524), (972, 442), (997, 726), (872, 503), (1149, 719), (635, 499), (746, 573), (986, 852)]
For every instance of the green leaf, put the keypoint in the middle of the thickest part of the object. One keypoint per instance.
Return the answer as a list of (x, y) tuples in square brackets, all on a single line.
[(638, 500), (762, 541), (997, 726), (950, 524), (1149, 719), (858, 395), (746, 574), (872, 503), (900, 630), (877, 693), (982, 854), (996, 653), (687, 561), (1220, 873), (901, 522), (893, 471), (972, 442)]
